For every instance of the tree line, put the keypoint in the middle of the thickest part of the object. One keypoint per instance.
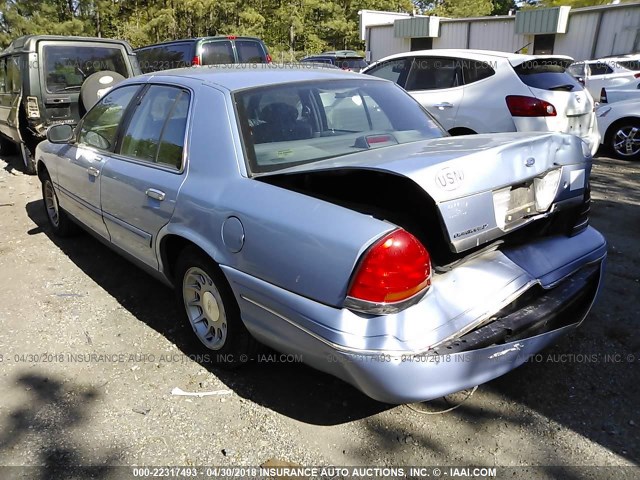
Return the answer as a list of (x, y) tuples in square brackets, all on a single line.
[(290, 28)]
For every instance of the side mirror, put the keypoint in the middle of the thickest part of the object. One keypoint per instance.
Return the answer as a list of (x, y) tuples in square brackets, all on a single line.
[(60, 134), (581, 80)]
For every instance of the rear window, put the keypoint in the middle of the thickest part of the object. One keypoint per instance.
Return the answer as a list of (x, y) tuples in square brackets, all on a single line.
[(165, 57), (547, 75), (350, 63), (250, 51), (217, 53), (298, 123), (316, 60), (630, 64), (67, 67)]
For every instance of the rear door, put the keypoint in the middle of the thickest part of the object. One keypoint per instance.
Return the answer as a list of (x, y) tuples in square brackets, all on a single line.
[(436, 82), (10, 96), (598, 76), (547, 80), (140, 182)]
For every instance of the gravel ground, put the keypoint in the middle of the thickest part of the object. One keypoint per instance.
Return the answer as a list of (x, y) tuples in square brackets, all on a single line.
[(91, 352)]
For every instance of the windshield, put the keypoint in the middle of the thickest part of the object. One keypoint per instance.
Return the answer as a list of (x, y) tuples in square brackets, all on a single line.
[(298, 123), (67, 67)]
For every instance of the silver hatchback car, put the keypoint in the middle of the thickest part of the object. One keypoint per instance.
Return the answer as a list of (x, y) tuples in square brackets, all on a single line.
[(327, 215)]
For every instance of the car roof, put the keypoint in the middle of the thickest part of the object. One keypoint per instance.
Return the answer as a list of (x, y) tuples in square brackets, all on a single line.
[(197, 39), (27, 43), (513, 58), (235, 77)]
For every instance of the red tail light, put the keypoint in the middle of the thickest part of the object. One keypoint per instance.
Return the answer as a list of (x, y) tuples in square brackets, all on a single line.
[(269, 60), (637, 75), (231, 37), (521, 106), (395, 268), (195, 61)]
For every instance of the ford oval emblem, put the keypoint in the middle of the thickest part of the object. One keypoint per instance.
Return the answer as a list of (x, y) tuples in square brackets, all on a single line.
[(530, 162)]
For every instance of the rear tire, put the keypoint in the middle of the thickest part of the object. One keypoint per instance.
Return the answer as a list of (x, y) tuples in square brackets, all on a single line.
[(211, 310), (28, 160), (623, 138), (58, 219)]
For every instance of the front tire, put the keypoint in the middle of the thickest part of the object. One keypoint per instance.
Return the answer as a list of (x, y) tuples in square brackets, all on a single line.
[(58, 219), (624, 139), (211, 310)]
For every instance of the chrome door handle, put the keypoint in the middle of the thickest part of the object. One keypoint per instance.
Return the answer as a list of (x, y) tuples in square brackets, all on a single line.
[(93, 171), (443, 105), (155, 194)]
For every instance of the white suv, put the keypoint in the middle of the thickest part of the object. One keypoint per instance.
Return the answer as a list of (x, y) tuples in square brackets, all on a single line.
[(481, 91), (606, 72)]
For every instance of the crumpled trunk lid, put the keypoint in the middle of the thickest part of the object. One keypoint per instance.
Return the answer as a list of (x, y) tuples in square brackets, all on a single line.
[(483, 186)]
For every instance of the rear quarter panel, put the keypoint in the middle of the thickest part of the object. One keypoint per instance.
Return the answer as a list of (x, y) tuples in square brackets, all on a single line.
[(484, 108), (296, 242)]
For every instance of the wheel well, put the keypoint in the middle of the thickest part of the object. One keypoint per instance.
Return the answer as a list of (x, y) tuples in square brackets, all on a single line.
[(614, 125), (170, 249), (461, 131), (42, 169)]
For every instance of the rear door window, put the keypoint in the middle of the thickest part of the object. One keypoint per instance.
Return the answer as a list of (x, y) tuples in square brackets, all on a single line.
[(156, 130), (66, 67), (13, 71), (430, 73), (600, 68), (547, 75), (475, 70), (3, 76), (250, 51), (217, 53)]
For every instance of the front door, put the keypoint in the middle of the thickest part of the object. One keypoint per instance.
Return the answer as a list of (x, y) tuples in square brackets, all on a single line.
[(80, 169)]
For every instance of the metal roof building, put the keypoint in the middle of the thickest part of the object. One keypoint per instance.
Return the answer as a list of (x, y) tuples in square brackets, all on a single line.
[(582, 33)]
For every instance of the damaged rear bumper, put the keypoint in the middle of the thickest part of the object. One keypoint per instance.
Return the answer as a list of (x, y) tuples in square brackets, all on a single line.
[(478, 321), (481, 355)]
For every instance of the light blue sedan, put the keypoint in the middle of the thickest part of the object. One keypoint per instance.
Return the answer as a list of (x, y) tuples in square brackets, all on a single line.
[(327, 215)]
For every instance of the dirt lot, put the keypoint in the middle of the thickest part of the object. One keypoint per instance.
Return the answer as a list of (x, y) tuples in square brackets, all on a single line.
[(63, 300)]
